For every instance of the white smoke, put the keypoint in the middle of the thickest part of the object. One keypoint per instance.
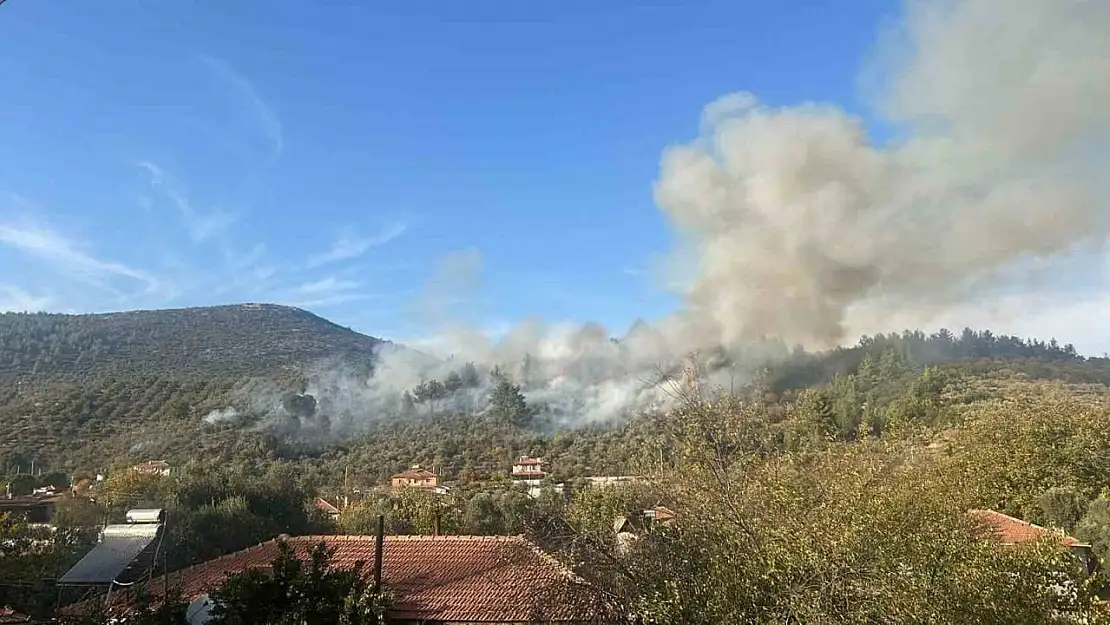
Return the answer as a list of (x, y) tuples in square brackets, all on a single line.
[(803, 228), (221, 415)]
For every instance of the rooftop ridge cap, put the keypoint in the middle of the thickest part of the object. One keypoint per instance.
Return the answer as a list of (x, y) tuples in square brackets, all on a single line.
[(1015, 519), (456, 537), (561, 570)]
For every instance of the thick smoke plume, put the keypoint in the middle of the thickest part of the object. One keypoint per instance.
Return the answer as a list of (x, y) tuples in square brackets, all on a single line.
[(806, 229), (802, 227)]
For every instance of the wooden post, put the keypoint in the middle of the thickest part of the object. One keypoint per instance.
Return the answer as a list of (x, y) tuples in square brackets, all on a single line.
[(378, 547)]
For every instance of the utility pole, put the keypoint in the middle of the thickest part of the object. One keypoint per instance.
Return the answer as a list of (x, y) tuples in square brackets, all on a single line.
[(378, 547)]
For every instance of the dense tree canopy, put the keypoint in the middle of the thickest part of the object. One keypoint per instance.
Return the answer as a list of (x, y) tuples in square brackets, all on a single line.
[(833, 488)]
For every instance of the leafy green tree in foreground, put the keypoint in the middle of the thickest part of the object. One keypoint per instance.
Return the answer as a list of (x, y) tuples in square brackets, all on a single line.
[(294, 592), (1094, 528), (170, 612), (843, 534)]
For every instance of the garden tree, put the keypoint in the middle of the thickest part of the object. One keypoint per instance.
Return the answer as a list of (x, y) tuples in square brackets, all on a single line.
[(128, 488), (295, 592), (1062, 508), (503, 511), (418, 511), (483, 510), (79, 512), (170, 611), (507, 404), (57, 479), (848, 534), (20, 485), (1010, 451), (407, 511), (1094, 527), (31, 556), (211, 510), (361, 519)]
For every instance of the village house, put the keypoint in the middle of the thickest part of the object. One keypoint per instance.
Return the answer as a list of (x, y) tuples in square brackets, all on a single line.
[(328, 508), (435, 579), (415, 477), (36, 508), (153, 467), (628, 528), (527, 469), (1012, 531)]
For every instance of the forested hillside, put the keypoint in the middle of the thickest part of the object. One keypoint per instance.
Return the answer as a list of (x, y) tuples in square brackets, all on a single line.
[(246, 339), (83, 393), (900, 434)]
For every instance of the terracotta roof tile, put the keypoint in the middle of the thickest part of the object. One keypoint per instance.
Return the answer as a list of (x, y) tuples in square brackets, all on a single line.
[(414, 474), (1012, 530), (324, 505), (8, 615), (440, 578)]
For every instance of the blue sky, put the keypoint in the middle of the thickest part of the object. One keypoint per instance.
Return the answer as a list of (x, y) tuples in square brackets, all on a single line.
[(165, 154)]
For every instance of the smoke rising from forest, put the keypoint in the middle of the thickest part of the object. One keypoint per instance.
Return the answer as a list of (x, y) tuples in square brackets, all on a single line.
[(804, 229), (800, 226)]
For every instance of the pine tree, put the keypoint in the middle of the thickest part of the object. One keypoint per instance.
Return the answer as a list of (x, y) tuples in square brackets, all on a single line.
[(507, 404)]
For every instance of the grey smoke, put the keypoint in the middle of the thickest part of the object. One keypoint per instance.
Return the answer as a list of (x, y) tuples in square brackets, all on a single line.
[(794, 224), (805, 229), (800, 227)]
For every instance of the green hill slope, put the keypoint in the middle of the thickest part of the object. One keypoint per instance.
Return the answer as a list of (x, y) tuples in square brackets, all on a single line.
[(77, 389), (245, 339)]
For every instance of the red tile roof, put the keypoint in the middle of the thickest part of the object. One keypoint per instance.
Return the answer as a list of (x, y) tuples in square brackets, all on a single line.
[(662, 513), (524, 460), (8, 615), (414, 474), (488, 579), (1012, 530), (324, 506)]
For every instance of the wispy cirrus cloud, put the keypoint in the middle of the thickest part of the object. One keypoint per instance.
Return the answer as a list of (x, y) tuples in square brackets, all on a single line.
[(327, 291), (15, 299), (201, 225), (348, 247), (244, 92), (67, 256), (330, 284)]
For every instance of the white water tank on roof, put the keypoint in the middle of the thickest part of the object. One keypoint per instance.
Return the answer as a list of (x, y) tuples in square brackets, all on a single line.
[(146, 515)]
